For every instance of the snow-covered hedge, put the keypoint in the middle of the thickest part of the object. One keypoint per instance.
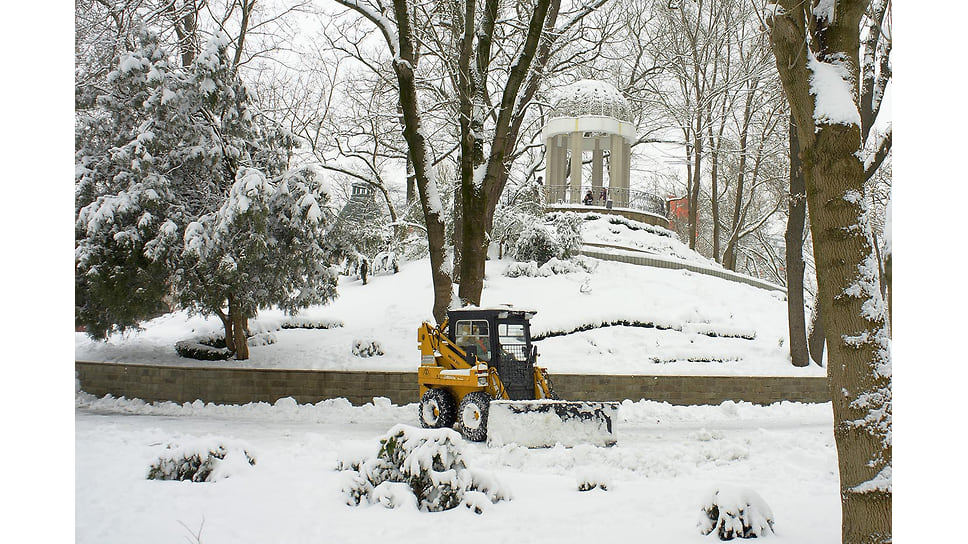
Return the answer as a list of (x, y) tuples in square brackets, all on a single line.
[(307, 323), (421, 469), (205, 460), (203, 348), (367, 348), (735, 513), (553, 267)]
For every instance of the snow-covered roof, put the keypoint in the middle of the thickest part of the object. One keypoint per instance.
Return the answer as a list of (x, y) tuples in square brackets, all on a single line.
[(590, 97)]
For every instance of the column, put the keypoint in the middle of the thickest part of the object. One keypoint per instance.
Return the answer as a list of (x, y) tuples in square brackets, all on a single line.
[(576, 151), (551, 170), (616, 173), (598, 158), (628, 172)]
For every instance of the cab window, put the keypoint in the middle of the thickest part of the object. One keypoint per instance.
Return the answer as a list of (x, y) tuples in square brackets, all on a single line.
[(473, 337), (513, 341)]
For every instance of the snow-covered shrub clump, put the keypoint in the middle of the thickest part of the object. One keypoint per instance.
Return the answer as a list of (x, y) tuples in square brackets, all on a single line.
[(307, 323), (367, 348), (558, 238), (538, 244), (553, 267), (568, 234), (423, 469), (203, 348), (733, 513), (202, 461), (261, 339), (592, 480)]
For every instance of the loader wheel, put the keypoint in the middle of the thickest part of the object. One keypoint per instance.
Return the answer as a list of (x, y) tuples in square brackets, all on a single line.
[(472, 416), (437, 409)]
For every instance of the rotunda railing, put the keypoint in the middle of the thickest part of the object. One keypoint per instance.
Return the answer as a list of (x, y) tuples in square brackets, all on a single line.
[(619, 198)]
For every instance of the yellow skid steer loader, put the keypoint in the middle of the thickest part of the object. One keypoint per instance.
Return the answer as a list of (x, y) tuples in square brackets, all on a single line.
[(478, 370)]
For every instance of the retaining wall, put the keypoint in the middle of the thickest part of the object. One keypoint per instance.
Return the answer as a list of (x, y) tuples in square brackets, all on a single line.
[(243, 385)]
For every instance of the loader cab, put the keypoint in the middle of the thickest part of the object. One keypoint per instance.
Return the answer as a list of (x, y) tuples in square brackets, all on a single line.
[(502, 337)]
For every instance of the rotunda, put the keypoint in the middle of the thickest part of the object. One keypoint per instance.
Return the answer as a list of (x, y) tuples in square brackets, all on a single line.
[(588, 116)]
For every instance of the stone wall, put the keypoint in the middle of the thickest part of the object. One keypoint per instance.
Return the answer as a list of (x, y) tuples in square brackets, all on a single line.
[(242, 385)]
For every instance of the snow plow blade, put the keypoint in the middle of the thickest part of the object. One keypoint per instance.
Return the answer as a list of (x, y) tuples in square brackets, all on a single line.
[(545, 423)]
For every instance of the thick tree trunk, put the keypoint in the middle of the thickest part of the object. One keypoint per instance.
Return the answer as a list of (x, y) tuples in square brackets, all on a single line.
[(480, 191), (794, 255), (853, 313)]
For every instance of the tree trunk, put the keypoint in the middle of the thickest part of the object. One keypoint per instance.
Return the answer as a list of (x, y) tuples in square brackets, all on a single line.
[(794, 255), (854, 315), (817, 339), (480, 191), (403, 67), (694, 194)]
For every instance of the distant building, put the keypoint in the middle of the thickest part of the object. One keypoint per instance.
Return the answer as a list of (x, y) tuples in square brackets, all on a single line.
[(361, 207)]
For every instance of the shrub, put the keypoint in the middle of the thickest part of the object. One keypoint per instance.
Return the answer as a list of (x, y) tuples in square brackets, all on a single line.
[(203, 348), (568, 234), (538, 244), (200, 462), (367, 348), (422, 468), (735, 513)]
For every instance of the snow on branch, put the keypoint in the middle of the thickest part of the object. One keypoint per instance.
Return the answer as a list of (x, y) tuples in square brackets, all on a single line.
[(376, 13)]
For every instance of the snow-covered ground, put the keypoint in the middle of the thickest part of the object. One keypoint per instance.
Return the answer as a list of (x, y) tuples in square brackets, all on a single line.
[(634, 320), (686, 323), (667, 461)]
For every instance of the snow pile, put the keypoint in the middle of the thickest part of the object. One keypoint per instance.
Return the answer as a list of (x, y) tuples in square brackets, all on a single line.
[(545, 423), (202, 460), (420, 469), (735, 513)]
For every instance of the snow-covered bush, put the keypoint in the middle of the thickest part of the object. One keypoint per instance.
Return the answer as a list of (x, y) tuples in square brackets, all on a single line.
[(306, 323), (421, 468), (538, 244), (568, 234), (367, 348), (592, 480), (203, 348), (559, 237), (261, 339), (735, 513), (202, 461), (553, 267)]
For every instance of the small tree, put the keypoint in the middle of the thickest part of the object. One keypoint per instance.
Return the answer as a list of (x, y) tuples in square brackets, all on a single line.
[(262, 248)]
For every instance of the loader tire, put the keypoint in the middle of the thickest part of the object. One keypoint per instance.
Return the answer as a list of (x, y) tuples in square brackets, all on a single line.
[(472, 416), (437, 409)]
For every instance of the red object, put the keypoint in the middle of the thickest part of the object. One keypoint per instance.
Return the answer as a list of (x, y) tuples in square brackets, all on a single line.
[(678, 209)]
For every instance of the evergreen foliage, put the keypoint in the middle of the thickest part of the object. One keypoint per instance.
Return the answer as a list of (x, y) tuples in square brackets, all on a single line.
[(200, 462), (423, 468), (561, 239), (183, 193)]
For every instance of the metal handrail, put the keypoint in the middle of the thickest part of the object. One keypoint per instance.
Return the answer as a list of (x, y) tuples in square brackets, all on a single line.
[(619, 198)]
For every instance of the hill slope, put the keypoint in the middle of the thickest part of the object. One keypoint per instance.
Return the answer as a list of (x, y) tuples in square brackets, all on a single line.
[(600, 317)]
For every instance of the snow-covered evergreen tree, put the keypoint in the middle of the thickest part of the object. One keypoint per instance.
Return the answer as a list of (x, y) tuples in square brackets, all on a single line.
[(182, 189)]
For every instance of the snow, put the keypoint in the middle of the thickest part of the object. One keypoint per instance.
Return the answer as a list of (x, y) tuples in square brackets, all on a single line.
[(590, 97), (632, 319), (667, 460), (830, 84)]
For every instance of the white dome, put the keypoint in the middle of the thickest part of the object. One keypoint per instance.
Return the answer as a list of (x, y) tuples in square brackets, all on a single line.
[(590, 97)]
